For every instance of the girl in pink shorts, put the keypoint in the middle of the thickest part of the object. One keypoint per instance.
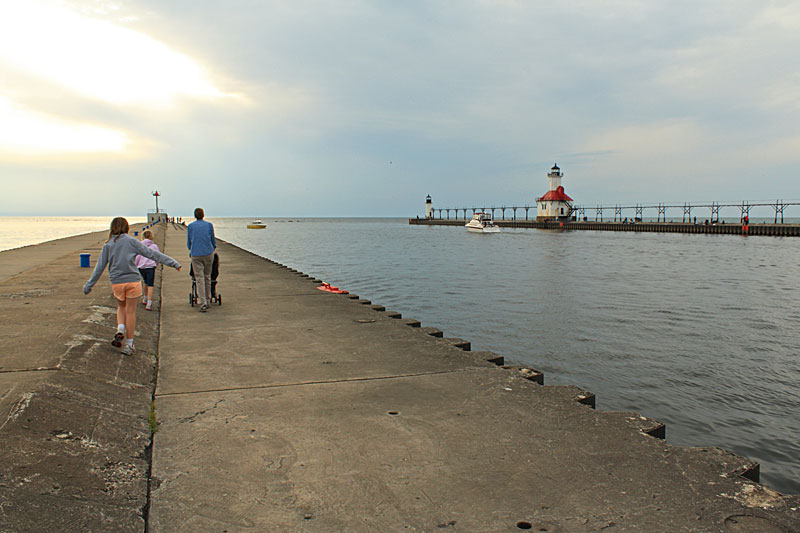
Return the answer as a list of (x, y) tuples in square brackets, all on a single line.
[(119, 253)]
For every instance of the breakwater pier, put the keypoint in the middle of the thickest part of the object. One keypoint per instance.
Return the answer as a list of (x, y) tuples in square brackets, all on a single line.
[(291, 409), (773, 230)]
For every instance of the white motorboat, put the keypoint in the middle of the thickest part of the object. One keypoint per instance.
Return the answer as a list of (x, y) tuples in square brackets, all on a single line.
[(256, 224), (482, 223)]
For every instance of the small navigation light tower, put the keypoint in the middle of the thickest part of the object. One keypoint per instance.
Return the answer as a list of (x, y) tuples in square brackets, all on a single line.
[(157, 215), (555, 204), (428, 207)]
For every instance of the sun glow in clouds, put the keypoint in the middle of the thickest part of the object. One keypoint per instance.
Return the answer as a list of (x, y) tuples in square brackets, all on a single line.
[(25, 132), (89, 58), (96, 58)]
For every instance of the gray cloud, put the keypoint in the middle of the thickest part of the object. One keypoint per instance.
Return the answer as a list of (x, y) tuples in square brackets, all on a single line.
[(363, 108)]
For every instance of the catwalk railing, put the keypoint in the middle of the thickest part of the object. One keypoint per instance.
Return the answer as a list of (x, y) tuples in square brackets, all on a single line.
[(637, 211)]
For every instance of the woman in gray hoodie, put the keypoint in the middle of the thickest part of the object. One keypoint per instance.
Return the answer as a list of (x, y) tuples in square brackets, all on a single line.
[(119, 253)]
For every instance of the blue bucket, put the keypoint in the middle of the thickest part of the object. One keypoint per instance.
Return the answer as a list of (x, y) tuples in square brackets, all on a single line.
[(85, 260)]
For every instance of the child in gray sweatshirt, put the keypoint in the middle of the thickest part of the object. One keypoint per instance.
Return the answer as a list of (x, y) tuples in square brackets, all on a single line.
[(119, 253)]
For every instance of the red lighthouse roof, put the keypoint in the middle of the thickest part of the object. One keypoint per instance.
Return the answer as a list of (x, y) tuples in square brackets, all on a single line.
[(556, 195)]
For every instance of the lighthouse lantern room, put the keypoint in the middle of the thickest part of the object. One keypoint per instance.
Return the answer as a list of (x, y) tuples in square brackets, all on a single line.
[(555, 204)]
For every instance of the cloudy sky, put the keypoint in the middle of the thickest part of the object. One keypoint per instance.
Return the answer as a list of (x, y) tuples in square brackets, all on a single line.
[(361, 108)]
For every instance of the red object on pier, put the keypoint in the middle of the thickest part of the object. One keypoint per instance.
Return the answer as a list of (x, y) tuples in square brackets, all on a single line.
[(328, 288)]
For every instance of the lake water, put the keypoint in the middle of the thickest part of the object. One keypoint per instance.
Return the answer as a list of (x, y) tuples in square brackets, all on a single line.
[(22, 231), (697, 331)]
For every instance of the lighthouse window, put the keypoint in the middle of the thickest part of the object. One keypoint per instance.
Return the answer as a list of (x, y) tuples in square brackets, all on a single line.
[(562, 210)]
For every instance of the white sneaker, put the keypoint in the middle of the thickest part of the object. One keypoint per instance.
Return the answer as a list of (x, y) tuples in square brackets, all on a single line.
[(128, 349)]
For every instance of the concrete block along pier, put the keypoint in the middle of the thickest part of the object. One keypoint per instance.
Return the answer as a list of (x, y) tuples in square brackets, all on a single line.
[(291, 409)]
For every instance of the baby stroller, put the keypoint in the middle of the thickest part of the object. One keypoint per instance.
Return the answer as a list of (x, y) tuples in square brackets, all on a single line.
[(215, 297)]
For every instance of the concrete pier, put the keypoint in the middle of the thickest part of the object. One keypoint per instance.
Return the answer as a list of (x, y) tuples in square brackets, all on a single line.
[(74, 433), (291, 409), (771, 230)]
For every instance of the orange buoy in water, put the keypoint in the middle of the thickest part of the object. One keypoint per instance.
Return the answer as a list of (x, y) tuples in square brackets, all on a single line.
[(328, 288)]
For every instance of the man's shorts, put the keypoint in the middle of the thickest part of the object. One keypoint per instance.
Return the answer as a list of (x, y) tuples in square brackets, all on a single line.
[(148, 275), (123, 291)]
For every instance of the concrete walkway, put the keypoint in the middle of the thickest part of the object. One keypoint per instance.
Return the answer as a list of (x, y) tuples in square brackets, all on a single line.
[(74, 432), (290, 409), (19, 260)]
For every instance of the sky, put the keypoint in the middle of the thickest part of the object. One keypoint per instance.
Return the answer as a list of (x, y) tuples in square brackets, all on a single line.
[(362, 108)]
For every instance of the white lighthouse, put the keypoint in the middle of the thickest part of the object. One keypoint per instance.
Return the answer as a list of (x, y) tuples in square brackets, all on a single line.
[(157, 215), (428, 207), (555, 204)]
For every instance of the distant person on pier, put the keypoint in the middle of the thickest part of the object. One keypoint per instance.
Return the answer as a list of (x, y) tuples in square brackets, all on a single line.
[(202, 244), (147, 268), (119, 253)]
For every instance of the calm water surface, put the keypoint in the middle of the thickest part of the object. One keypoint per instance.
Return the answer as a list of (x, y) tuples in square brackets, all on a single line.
[(697, 331), (22, 231)]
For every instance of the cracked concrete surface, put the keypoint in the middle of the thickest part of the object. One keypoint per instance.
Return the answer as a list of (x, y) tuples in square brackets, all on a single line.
[(73, 410)]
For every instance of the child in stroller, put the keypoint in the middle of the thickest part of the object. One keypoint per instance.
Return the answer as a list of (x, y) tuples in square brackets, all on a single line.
[(215, 297)]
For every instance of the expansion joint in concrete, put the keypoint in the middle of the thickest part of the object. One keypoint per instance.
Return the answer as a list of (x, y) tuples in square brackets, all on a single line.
[(154, 421), (306, 383), (293, 296), (22, 370), (116, 381)]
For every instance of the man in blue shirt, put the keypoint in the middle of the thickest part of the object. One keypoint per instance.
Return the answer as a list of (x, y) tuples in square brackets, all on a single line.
[(201, 243)]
